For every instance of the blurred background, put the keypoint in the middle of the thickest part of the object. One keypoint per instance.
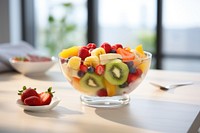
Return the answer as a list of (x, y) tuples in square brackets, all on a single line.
[(167, 28)]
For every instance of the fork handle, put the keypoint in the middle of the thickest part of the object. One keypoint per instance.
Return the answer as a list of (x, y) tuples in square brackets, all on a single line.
[(183, 84)]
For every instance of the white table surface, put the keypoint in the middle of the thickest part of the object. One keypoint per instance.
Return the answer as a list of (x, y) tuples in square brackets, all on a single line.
[(150, 110)]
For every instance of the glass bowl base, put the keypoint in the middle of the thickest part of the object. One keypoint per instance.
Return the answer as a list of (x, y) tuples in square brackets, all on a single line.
[(105, 102)]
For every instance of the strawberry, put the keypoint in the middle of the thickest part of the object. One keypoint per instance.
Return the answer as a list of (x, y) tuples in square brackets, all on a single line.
[(27, 93), (32, 101), (83, 68), (91, 46), (99, 69), (118, 45), (115, 47), (102, 93), (131, 77), (107, 47), (83, 53), (46, 97), (138, 72)]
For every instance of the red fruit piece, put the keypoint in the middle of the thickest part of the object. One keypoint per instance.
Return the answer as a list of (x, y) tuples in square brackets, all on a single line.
[(83, 68), (91, 46), (131, 78), (126, 55), (83, 53), (118, 46), (99, 69), (107, 47), (138, 72), (102, 93), (46, 97), (27, 93), (113, 48), (62, 61), (32, 101)]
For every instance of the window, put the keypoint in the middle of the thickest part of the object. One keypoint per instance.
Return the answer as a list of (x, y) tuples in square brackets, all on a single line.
[(130, 22), (60, 24), (181, 35)]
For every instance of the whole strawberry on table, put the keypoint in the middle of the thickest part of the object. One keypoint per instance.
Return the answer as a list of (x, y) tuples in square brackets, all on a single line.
[(29, 96)]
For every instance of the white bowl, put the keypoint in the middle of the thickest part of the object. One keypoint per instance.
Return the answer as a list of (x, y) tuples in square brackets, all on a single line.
[(44, 108), (32, 67)]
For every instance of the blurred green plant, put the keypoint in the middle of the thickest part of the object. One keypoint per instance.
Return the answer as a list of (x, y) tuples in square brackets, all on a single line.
[(59, 30), (148, 40)]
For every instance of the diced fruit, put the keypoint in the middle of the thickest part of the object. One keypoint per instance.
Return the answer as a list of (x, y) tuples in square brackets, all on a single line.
[(20, 59), (73, 51), (102, 93), (131, 78), (127, 48), (115, 47), (92, 81), (138, 72), (137, 61), (116, 72), (140, 50), (81, 73), (126, 55), (129, 64), (118, 46), (74, 62), (91, 61), (132, 69), (107, 47), (106, 70), (91, 46), (111, 89), (62, 61), (73, 73), (91, 69), (76, 85), (105, 58), (83, 68), (113, 51), (83, 53), (144, 66), (32, 101), (27, 93), (46, 97), (98, 51), (99, 70)]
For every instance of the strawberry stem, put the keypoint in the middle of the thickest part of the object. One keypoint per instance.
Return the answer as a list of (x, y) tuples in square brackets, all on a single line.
[(49, 90), (21, 91)]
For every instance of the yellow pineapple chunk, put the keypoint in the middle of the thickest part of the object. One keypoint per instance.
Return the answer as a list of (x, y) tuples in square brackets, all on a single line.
[(73, 51), (140, 50)]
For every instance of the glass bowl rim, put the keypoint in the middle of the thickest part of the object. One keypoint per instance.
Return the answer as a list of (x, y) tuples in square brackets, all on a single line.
[(148, 56)]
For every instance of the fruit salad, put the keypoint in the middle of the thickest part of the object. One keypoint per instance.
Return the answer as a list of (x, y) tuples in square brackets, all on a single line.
[(105, 71), (31, 58)]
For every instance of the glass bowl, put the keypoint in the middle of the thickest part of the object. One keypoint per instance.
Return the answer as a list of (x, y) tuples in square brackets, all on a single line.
[(108, 85)]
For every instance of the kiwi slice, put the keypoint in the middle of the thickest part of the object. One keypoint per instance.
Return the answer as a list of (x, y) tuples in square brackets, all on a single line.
[(116, 72), (92, 81)]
